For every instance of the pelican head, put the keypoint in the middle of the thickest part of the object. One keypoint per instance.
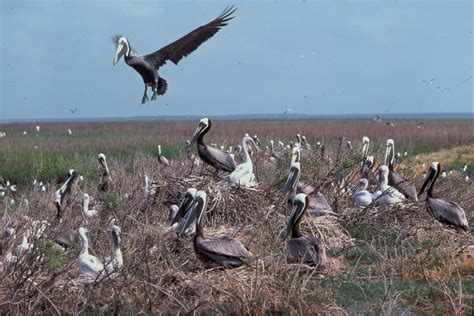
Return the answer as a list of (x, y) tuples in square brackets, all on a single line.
[(123, 48), (159, 150), (300, 203), (185, 205), (86, 198), (204, 126), (250, 141), (433, 173), (383, 174), (362, 185), (389, 152), (365, 145), (195, 213), (173, 211), (103, 163)]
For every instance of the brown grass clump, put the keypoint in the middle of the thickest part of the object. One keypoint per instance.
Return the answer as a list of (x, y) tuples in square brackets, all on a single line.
[(382, 260)]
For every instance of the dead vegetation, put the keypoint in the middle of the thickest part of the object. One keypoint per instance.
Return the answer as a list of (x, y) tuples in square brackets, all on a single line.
[(384, 260)]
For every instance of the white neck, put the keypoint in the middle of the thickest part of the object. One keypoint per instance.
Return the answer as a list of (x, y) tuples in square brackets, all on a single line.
[(85, 243), (246, 152)]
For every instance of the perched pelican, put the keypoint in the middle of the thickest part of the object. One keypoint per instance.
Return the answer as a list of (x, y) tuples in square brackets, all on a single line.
[(349, 145), (447, 212), (243, 174), (305, 144), (89, 265), (367, 165), (147, 65), (104, 173), (172, 214), (114, 262), (62, 192), (318, 205), (306, 248), (162, 159), (210, 155), (184, 206), (216, 251), (24, 246), (86, 211), (293, 178), (386, 194), (394, 178), (362, 197)]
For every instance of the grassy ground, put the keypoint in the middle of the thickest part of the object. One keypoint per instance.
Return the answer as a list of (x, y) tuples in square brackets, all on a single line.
[(381, 260)]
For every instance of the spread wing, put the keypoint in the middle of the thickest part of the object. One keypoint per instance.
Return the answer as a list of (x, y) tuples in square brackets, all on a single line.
[(191, 41)]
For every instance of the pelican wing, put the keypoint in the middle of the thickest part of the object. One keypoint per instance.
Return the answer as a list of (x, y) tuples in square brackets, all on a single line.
[(310, 249), (216, 158), (319, 206), (402, 185), (225, 245), (304, 188), (447, 212), (191, 41)]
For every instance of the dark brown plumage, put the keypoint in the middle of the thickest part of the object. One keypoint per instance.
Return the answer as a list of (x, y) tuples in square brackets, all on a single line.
[(447, 212), (147, 65)]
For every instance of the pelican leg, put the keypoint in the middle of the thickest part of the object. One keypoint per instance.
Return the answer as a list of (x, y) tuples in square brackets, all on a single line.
[(155, 90), (145, 96)]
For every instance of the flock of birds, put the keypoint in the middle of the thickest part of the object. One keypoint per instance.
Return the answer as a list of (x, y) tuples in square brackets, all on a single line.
[(187, 217)]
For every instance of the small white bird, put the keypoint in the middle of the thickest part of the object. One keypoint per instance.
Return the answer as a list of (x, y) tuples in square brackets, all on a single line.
[(25, 133), (464, 169), (466, 179), (37, 128), (444, 175), (69, 131)]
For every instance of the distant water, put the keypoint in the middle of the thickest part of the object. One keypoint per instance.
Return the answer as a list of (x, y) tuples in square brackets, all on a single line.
[(293, 116)]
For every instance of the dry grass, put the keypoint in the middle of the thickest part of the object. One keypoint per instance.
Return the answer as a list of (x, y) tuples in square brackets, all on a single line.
[(381, 260)]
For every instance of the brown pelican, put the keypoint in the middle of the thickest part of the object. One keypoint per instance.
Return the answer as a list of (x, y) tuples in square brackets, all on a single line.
[(318, 205), (210, 155), (162, 159), (173, 210), (293, 177), (104, 174), (386, 193), (89, 265), (394, 178), (306, 248), (114, 262), (222, 251), (184, 207), (61, 193), (86, 211), (147, 65), (447, 212), (243, 174), (362, 197)]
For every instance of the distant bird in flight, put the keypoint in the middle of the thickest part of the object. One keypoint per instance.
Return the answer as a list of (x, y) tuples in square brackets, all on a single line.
[(73, 110), (147, 65), (430, 81), (288, 110), (377, 118)]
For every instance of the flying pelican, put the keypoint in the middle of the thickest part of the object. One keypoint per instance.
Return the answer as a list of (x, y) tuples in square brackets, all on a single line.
[(184, 206), (386, 194), (243, 174), (89, 265), (216, 251), (362, 197), (162, 159), (210, 155), (147, 65), (394, 178), (86, 211), (306, 248), (447, 212), (114, 262), (104, 173)]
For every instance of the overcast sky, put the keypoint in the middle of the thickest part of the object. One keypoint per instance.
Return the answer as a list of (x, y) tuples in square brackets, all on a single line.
[(320, 57)]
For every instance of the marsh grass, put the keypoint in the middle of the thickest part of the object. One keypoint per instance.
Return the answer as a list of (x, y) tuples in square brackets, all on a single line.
[(381, 260)]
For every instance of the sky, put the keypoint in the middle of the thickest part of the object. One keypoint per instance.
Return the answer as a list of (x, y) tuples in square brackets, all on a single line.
[(315, 57)]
